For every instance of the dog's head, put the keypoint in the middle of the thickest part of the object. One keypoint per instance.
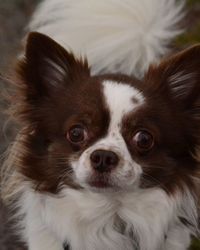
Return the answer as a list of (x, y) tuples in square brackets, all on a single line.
[(109, 132)]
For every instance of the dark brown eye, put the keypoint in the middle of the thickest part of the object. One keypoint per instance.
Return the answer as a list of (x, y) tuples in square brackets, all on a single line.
[(143, 140), (77, 134)]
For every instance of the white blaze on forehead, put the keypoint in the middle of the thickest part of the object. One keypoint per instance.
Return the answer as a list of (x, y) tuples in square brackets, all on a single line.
[(120, 99)]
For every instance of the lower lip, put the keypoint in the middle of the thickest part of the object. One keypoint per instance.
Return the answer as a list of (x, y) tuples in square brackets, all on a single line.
[(99, 184)]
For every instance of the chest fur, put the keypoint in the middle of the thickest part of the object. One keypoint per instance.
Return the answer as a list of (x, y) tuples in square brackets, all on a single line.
[(90, 221)]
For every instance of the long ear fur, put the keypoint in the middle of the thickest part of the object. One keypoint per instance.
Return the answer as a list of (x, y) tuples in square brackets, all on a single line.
[(47, 65), (179, 75)]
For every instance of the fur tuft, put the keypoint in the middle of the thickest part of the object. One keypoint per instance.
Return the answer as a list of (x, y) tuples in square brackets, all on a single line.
[(116, 36), (10, 179)]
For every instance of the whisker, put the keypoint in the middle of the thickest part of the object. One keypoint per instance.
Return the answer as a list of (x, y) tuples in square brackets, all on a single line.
[(151, 178)]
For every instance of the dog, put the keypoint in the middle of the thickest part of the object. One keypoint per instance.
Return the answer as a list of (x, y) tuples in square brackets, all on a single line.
[(104, 160)]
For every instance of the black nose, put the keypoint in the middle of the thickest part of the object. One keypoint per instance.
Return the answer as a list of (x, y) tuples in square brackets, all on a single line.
[(103, 160)]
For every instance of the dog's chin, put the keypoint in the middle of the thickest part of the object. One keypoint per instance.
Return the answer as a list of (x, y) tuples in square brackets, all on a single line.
[(102, 188), (99, 183), (102, 184)]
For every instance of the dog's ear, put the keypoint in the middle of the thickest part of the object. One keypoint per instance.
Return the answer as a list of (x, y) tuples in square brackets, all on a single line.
[(179, 77), (47, 66)]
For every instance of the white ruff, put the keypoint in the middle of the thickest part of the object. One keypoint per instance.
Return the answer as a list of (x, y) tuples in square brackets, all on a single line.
[(91, 221), (115, 35)]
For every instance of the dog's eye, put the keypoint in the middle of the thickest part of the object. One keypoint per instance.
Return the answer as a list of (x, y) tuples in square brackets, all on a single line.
[(77, 134), (143, 140)]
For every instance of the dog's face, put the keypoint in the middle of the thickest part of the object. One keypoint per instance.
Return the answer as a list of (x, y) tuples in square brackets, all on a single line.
[(111, 132)]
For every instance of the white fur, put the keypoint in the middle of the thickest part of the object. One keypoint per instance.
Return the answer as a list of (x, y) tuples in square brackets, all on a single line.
[(119, 98), (115, 35), (178, 238), (87, 220)]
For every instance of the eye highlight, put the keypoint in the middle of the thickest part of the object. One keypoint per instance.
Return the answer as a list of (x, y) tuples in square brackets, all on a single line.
[(143, 140), (77, 134)]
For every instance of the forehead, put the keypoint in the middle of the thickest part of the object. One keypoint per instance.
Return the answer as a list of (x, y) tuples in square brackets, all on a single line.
[(121, 99)]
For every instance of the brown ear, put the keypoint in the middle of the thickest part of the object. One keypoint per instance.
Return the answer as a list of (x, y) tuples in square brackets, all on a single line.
[(47, 65), (179, 76)]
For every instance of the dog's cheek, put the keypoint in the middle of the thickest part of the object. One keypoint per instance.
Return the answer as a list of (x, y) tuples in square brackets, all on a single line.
[(81, 168), (59, 164)]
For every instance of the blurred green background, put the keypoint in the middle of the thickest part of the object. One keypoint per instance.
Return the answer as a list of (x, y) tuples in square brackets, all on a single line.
[(14, 16), (191, 25)]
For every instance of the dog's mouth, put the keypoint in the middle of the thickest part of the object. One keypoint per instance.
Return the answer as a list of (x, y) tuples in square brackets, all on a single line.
[(100, 182)]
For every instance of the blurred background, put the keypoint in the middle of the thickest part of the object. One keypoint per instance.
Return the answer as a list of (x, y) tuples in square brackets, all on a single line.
[(14, 17)]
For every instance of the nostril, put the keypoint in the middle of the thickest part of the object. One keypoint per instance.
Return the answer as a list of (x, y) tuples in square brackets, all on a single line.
[(111, 159), (96, 158), (103, 160)]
